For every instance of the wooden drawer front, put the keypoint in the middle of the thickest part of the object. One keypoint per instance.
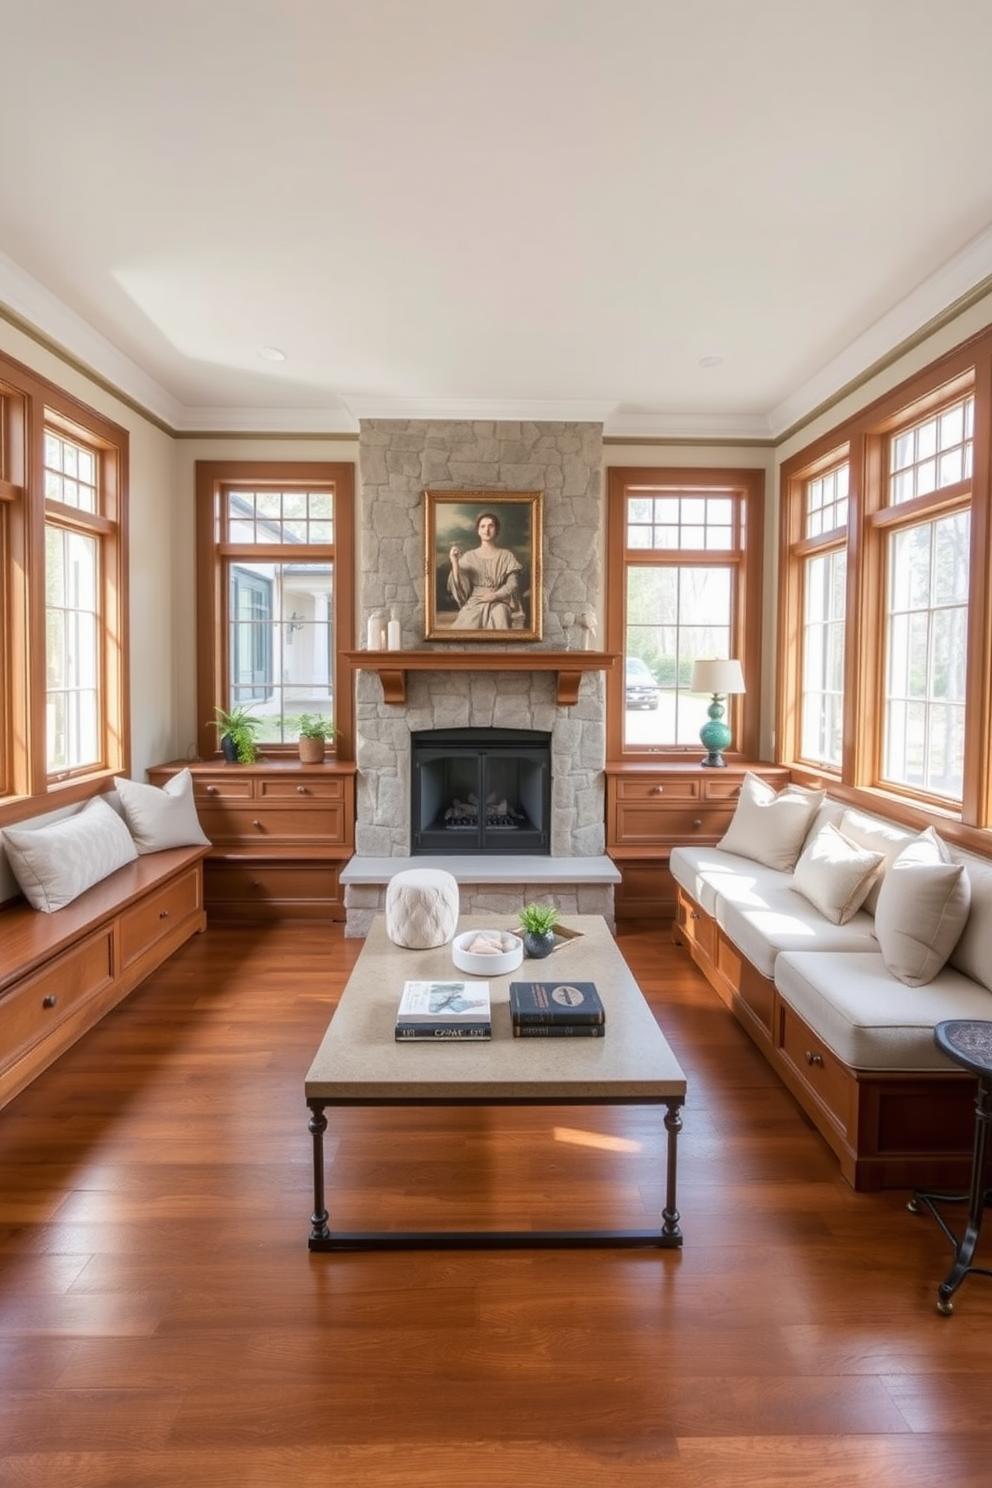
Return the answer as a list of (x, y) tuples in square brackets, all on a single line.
[(145, 923), (250, 826), (697, 927), (640, 824), (310, 788), (721, 789), (265, 882), (222, 788), (820, 1071), (651, 788), (38, 1005)]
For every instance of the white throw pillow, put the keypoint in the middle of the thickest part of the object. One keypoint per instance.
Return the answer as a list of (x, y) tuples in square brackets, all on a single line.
[(922, 908), (770, 828), (56, 863), (162, 818), (835, 874), (877, 836)]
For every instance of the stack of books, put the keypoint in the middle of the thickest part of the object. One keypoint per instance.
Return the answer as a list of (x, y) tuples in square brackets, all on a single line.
[(556, 1010), (444, 1010)]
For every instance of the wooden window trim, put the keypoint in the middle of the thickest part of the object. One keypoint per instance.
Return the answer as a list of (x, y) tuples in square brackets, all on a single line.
[(965, 369), (29, 403), (743, 713), (211, 668)]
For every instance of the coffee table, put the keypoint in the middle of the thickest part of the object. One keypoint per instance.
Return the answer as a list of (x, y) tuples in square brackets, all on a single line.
[(360, 1063)]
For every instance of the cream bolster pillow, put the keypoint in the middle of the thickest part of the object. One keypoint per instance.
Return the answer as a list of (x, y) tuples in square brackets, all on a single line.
[(835, 875), (922, 909), (770, 828), (161, 818), (56, 863)]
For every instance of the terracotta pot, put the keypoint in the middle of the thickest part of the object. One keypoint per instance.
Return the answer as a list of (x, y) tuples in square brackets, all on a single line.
[(312, 750)]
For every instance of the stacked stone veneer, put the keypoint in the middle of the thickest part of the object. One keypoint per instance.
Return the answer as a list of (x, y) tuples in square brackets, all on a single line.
[(398, 461)]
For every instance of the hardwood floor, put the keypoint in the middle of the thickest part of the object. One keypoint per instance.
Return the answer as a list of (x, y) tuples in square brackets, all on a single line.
[(163, 1323)]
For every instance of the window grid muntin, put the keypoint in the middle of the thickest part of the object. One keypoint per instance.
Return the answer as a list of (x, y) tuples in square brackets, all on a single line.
[(826, 501), (933, 453), (71, 472), (279, 517), (676, 521)]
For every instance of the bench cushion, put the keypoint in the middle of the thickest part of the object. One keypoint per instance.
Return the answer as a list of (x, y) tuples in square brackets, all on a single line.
[(870, 1021)]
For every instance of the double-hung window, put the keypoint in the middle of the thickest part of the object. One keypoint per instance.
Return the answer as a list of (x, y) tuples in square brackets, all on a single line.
[(63, 642), (684, 585), (886, 605), (275, 595)]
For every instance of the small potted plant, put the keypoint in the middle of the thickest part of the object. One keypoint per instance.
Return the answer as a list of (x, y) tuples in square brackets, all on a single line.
[(315, 732), (538, 922), (237, 728)]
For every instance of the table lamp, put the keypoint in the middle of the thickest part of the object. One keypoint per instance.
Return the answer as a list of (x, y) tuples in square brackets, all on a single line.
[(719, 678)]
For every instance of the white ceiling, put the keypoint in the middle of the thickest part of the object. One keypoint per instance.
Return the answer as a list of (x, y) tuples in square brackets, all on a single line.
[(491, 208)]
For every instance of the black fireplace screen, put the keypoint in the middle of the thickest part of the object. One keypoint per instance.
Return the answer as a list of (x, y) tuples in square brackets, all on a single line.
[(481, 790)]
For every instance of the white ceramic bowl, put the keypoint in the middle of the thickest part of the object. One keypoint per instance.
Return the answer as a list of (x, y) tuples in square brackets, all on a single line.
[(483, 963)]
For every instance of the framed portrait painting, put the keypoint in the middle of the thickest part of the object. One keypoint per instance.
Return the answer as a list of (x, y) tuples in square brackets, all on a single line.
[(483, 565)]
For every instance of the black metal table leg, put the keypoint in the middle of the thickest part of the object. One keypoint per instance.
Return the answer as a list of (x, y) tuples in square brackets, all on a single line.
[(970, 1044), (318, 1220)]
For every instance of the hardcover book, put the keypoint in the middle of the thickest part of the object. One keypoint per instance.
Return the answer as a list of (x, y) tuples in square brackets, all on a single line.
[(444, 1010), (559, 1030), (541, 1004)]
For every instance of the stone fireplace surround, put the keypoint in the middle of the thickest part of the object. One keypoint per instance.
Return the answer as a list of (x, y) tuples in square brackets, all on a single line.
[(398, 460)]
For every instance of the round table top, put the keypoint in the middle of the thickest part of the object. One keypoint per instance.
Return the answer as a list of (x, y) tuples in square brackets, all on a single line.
[(968, 1042)]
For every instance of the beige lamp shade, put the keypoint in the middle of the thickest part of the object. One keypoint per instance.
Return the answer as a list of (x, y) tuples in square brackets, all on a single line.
[(719, 677)]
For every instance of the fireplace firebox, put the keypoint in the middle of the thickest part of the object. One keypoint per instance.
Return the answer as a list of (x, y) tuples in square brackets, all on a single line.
[(480, 790)]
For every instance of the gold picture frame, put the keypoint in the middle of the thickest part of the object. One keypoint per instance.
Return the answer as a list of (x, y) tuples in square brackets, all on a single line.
[(482, 569)]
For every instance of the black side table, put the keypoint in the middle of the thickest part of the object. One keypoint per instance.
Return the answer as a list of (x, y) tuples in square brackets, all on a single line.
[(969, 1044)]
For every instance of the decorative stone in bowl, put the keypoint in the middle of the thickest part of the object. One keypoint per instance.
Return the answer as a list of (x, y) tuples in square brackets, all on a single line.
[(487, 952)]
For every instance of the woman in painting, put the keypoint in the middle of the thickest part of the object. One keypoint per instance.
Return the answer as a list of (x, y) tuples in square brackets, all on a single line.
[(485, 582)]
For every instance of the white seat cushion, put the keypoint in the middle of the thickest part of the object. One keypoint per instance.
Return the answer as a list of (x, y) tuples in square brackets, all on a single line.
[(421, 908), (870, 1020)]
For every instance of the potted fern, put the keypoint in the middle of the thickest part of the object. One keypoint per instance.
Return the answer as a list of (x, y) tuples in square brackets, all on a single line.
[(237, 730), (315, 731), (538, 922)]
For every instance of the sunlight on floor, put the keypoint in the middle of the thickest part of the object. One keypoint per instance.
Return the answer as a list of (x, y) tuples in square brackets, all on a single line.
[(595, 1139)]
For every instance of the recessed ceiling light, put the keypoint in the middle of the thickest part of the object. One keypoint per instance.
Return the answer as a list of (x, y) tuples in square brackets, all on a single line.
[(271, 354), (711, 361)]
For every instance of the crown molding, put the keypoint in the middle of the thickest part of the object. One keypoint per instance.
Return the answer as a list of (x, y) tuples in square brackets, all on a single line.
[(962, 281)]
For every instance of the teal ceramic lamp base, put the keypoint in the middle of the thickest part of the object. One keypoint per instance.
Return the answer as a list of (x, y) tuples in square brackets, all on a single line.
[(715, 734)]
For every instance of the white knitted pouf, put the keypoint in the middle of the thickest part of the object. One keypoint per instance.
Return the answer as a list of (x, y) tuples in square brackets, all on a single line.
[(421, 908)]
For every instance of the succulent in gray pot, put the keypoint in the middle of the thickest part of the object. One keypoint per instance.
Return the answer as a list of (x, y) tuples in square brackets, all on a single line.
[(538, 924)]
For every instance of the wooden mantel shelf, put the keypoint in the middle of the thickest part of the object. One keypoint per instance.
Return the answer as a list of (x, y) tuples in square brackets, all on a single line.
[(393, 666)]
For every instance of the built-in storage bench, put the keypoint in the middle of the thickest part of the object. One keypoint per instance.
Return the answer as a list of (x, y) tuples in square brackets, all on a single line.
[(651, 808), (61, 972)]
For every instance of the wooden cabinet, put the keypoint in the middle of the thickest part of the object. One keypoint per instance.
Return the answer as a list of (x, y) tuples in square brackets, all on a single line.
[(61, 972), (280, 833), (652, 808)]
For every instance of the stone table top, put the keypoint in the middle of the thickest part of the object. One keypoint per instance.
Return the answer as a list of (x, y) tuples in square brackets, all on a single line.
[(360, 1061)]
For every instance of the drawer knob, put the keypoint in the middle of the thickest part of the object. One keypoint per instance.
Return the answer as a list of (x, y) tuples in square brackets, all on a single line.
[(301, 790), (814, 1059), (256, 883), (50, 1001), (697, 822), (257, 824), (694, 914), (211, 790), (658, 790), (163, 914)]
